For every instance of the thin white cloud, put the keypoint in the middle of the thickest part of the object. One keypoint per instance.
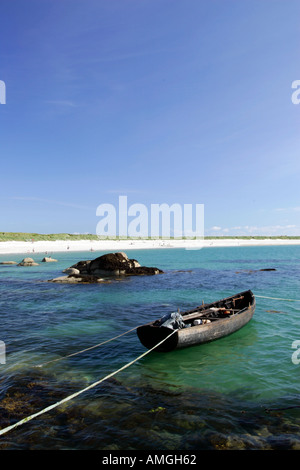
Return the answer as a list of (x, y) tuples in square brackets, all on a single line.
[(65, 103), (50, 201), (123, 192), (255, 230), (288, 209), (117, 57)]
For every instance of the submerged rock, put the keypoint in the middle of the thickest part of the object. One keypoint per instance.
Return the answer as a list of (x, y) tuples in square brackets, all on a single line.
[(77, 278), (28, 262), (8, 262), (249, 271), (268, 269)]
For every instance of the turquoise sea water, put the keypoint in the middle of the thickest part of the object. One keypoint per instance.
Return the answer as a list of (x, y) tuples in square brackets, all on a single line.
[(239, 392)]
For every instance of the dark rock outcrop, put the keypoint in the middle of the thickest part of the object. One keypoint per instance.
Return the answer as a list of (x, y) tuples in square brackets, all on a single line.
[(114, 264), (268, 269), (103, 267), (107, 266), (81, 266)]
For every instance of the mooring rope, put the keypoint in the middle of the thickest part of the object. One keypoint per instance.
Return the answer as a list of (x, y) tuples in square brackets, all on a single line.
[(276, 298), (74, 395), (87, 349), (126, 332)]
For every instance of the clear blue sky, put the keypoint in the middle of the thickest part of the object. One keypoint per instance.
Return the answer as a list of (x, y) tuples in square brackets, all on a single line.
[(165, 101)]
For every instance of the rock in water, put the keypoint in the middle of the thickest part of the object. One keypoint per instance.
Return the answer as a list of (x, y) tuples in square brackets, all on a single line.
[(267, 269), (77, 279), (116, 264), (48, 260), (28, 262), (111, 264), (71, 271), (81, 267)]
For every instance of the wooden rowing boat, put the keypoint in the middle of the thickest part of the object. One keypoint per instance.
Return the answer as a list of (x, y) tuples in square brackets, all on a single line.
[(204, 323)]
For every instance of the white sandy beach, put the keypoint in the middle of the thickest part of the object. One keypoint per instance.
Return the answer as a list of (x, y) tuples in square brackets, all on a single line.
[(123, 245)]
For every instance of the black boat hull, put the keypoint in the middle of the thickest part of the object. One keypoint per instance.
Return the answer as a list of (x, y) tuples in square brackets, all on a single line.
[(150, 334)]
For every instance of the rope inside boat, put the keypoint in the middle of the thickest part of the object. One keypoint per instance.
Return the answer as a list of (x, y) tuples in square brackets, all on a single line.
[(74, 395), (275, 298), (87, 349)]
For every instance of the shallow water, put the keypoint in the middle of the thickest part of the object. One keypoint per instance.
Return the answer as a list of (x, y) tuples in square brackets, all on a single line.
[(240, 392)]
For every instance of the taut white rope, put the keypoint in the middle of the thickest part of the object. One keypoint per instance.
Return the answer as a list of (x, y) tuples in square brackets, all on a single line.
[(87, 349), (275, 298), (74, 395)]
